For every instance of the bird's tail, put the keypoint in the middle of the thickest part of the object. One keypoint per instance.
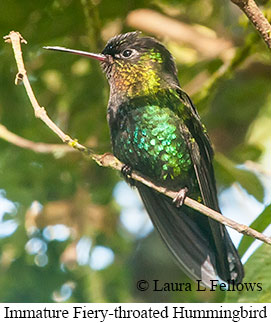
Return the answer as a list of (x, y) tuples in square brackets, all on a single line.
[(201, 245)]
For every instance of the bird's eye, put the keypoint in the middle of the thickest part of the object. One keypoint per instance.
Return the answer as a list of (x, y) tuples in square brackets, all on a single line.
[(127, 53)]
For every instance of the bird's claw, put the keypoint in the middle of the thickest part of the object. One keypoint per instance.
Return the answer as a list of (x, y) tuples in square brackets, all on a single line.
[(180, 196), (126, 171)]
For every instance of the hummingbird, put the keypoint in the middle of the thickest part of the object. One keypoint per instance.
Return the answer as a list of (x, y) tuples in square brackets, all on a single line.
[(156, 130)]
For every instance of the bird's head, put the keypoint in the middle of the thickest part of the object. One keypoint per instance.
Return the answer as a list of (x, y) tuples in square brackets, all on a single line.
[(134, 65), (138, 64)]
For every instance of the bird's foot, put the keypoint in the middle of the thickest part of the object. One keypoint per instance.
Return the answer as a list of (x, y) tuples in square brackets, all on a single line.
[(126, 171), (180, 196)]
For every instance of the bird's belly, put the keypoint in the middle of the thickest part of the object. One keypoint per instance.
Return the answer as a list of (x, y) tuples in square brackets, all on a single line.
[(152, 143)]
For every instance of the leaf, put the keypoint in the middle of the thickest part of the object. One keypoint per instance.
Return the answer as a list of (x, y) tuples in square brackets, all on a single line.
[(228, 173), (257, 270), (259, 224)]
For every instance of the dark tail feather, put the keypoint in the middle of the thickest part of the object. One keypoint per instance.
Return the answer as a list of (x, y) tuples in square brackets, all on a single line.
[(202, 247), (229, 266)]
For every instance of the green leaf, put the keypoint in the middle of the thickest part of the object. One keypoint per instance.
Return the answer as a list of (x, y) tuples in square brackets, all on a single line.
[(260, 224), (228, 173), (258, 271)]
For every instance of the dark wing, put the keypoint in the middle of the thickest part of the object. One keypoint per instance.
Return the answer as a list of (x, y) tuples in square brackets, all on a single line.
[(229, 266)]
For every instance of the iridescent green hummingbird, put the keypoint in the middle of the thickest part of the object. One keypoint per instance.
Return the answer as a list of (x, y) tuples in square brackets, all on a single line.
[(156, 130)]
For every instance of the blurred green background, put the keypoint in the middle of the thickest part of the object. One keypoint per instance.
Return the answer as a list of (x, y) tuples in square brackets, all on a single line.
[(71, 231)]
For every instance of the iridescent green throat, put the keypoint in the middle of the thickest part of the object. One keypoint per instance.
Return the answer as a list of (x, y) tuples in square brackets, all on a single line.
[(141, 78)]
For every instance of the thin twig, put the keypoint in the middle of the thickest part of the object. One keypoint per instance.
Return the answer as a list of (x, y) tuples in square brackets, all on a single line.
[(108, 160), (38, 147), (254, 14), (16, 39)]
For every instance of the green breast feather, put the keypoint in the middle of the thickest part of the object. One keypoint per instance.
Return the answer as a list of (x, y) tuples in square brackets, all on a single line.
[(152, 143)]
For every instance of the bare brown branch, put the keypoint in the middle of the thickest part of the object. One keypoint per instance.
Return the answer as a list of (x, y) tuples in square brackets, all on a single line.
[(108, 160), (16, 39), (38, 147), (254, 14)]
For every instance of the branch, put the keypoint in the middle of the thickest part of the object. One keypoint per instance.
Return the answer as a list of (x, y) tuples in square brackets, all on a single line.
[(254, 14), (38, 147), (16, 39), (107, 159)]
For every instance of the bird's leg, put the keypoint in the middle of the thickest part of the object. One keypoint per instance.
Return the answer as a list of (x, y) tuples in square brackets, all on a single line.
[(180, 196), (126, 171)]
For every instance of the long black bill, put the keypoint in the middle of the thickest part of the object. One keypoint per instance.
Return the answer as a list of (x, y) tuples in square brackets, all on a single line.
[(99, 57)]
